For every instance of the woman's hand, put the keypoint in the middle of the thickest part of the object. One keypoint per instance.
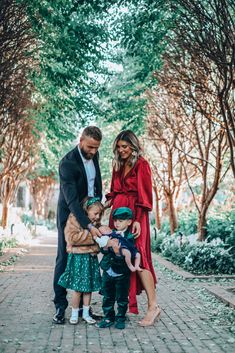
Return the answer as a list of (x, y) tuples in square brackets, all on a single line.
[(136, 229), (107, 204)]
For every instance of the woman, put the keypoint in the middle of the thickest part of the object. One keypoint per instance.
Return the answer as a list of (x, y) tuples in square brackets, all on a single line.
[(131, 187)]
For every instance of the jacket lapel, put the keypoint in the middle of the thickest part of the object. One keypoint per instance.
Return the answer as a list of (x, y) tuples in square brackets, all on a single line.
[(81, 165), (98, 175)]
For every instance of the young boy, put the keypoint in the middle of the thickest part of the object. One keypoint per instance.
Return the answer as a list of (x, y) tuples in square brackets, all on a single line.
[(116, 269), (120, 238)]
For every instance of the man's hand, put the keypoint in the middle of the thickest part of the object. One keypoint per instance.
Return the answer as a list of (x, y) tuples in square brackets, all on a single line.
[(136, 229), (105, 229), (114, 243), (95, 232)]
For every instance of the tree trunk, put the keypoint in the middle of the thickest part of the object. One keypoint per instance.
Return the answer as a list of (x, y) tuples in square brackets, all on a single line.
[(157, 209), (4, 214), (201, 227), (172, 214)]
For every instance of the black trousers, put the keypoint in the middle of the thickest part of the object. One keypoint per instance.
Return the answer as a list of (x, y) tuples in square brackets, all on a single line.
[(60, 299), (115, 289)]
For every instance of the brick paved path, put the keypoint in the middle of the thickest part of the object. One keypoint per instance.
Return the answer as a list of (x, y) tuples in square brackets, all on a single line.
[(192, 320)]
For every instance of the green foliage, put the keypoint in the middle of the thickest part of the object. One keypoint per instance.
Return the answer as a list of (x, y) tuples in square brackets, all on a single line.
[(200, 258), (7, 243), (156, 241), (137, 32), (221, 225), (187, 223), (109, 132), (68, 49), (214, 256), (209, 258), (123, 97), (30, 221)]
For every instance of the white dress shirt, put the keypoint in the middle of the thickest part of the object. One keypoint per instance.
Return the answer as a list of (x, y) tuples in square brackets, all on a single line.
[(90, 173)]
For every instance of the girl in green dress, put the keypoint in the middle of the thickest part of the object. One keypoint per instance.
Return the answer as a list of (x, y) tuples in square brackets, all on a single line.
[(82, 274)]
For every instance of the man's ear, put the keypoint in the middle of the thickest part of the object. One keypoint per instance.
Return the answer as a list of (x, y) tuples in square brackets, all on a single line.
[(129, 222)]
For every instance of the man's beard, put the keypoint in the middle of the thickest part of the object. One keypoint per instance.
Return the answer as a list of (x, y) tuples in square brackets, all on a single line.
[(86, 155)]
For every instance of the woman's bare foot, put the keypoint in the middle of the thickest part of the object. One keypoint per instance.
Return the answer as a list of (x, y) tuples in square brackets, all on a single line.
[(151, 317)]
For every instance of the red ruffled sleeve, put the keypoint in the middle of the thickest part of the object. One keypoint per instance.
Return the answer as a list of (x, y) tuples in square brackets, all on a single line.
[(144, 186)]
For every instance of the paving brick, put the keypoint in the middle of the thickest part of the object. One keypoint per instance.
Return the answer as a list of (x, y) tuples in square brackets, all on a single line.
[(187, 323)]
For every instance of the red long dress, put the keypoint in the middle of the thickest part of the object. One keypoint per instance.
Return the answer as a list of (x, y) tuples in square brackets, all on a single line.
[(135, 191)]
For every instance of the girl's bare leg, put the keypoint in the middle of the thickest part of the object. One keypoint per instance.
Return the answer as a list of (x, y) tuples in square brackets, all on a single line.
[(76, 296), (86, 306)]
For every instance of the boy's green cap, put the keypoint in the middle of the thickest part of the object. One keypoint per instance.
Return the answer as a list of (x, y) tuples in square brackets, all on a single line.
[(122, 213)]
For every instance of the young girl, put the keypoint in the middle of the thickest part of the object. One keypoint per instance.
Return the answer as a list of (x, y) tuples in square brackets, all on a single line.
[(82, 273)]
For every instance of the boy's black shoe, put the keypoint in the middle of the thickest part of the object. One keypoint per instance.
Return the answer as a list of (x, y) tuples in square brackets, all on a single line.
[(120, 325), (59, 318), (105, 323)]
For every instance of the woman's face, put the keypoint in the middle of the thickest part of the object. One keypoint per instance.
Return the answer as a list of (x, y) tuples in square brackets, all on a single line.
[(124, 149)]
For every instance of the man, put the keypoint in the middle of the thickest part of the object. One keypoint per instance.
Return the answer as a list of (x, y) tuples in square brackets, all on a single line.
[(80, 177)]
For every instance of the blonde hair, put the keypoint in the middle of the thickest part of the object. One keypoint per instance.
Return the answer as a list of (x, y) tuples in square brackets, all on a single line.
[(89, 202), (134, 143)]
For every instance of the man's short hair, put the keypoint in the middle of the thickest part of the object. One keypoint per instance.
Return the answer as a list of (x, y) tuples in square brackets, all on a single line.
[(93, 132)]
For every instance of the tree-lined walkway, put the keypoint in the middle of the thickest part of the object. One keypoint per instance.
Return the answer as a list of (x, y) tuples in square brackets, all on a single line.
[(192, 320)]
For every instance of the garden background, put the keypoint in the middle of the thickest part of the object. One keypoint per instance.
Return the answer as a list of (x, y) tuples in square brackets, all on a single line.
[(164, 69)]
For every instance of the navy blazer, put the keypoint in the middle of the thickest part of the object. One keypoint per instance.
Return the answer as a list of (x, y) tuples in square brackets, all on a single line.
[(74, 188)]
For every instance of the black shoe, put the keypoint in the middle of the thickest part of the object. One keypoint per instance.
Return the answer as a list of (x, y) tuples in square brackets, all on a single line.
[(59, 318), (95, 316), (80, 312)]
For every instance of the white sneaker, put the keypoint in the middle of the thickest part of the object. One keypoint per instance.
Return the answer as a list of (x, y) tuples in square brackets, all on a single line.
[(89, 320), (73, 320)]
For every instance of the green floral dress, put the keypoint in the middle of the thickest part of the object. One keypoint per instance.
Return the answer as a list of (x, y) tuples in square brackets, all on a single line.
[(82, 273)]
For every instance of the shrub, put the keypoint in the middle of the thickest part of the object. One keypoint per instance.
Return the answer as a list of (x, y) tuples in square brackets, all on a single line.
[(221, 226), (7, 243), (207, 258), (187, 223), (157, 240), (30, 220), (218, 225)]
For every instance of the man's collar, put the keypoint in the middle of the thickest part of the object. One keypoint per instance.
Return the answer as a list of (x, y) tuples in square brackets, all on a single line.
[(83, 158)]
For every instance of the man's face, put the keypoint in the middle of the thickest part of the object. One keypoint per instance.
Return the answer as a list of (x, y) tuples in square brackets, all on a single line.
[(88, 146)]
